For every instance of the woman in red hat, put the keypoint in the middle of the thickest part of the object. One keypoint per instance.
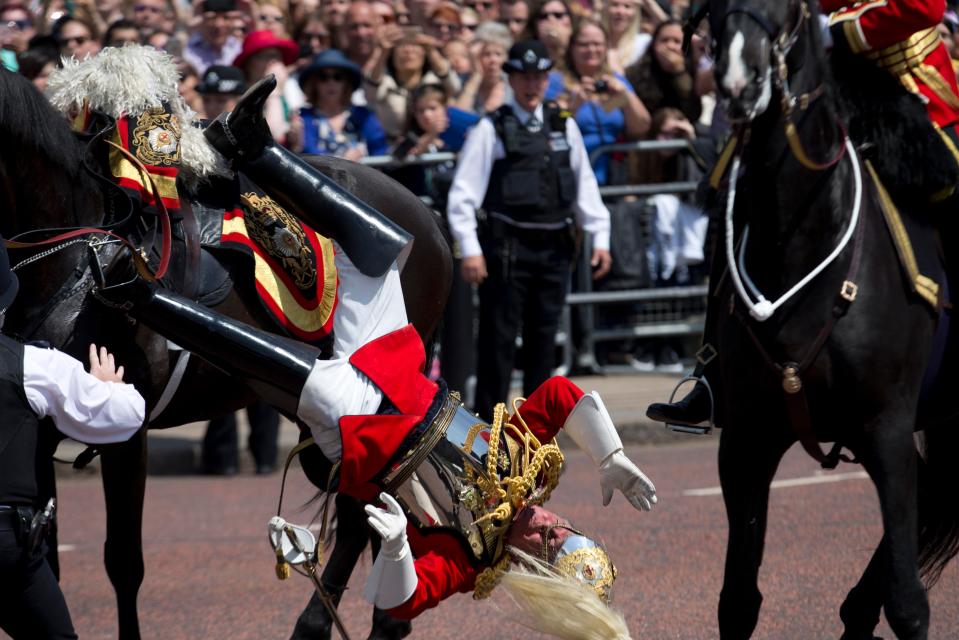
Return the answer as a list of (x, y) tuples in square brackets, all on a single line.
[(264, 53)]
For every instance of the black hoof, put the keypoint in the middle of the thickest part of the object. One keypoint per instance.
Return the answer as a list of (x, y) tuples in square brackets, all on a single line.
[(386, 627)]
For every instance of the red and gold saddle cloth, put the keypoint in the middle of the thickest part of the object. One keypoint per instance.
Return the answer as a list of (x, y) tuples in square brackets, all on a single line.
[(294, 270)]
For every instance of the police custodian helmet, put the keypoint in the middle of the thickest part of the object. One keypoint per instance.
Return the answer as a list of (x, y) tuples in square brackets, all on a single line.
[(527, 56), (9, 285)]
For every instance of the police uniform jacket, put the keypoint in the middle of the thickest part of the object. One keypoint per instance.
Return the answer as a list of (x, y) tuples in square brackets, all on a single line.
[(479, 179), (394, 362), (902, 36)]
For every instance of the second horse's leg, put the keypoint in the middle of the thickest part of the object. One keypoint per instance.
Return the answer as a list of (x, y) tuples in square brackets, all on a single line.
[(889, 456), (748, 459), (124, 481), (860, 610)]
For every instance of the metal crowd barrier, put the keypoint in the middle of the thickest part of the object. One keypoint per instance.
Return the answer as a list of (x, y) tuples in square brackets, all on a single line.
[(668, 311)]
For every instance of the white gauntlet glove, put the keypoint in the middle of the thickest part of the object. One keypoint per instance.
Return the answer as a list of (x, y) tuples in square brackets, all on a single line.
[(393, 578), (590, 426)]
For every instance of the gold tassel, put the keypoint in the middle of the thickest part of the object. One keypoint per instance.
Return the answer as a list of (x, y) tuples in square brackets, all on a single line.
[(282, 568)]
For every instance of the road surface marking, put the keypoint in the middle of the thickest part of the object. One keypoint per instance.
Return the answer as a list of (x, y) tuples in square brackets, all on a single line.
[(65, 547), (789, 482)]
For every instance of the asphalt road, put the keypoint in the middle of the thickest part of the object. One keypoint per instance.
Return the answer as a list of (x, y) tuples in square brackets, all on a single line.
[(210, 571)]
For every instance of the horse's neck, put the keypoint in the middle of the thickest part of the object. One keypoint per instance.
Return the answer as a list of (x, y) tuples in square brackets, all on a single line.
[(795, 214)]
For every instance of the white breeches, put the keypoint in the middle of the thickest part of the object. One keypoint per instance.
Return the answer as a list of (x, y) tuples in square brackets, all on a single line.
[(367, 308)]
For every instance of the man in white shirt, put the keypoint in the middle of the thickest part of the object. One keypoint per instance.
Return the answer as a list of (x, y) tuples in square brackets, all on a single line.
[(95, 408), (527, 167)]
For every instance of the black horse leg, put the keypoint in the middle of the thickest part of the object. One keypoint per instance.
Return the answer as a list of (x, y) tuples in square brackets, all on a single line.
[(890, 458), (747, 464), (860, 610), (124, 481), (352, 534)]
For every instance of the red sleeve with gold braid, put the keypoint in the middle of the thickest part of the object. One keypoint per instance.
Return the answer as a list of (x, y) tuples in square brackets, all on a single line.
[(901, 36), (881, 23), (546, 409)]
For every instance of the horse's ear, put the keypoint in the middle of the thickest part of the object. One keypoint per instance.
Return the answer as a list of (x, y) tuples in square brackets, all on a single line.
[(692, 24)]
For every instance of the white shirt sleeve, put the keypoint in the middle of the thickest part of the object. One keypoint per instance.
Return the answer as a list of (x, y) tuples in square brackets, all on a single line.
[(82, 406), (473, 168), (591, 214)]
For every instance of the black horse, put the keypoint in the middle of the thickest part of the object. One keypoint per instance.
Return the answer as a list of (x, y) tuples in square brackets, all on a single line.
[(48, 180), (843, 359)]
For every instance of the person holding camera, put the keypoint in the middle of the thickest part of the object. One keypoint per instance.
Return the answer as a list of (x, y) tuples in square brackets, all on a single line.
[(403, 59), (526, 165), (96, 408), (604, 104)]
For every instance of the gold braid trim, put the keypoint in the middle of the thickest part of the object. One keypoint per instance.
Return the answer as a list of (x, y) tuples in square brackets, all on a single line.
[(531, 481)]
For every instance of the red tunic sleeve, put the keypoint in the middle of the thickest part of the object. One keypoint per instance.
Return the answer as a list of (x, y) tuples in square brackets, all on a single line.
[(546, 409), (442, 569), (882, 23)]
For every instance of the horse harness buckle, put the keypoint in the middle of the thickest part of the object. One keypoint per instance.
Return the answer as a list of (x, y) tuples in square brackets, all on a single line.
[(849, 291)]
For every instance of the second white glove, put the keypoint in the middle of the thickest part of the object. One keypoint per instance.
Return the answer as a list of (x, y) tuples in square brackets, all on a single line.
[(619, 472)]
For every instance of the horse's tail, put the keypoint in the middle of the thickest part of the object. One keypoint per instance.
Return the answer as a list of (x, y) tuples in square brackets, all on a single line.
[(938, 507)]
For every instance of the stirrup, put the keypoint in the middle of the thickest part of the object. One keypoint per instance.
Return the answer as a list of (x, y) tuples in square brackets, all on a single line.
[(688, 428)]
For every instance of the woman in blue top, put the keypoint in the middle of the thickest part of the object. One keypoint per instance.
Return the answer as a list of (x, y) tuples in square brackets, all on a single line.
[(603, 103), (330, 125)]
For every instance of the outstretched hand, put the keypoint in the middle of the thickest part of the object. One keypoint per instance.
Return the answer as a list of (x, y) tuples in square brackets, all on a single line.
[(102, 365), (619, 472), (390, 524)]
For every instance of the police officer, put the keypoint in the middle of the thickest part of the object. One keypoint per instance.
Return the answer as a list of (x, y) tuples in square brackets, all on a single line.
[(93, 407), (526, 166)]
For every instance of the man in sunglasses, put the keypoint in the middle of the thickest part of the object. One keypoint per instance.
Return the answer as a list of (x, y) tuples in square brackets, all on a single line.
[(16, 28), (526, 166)]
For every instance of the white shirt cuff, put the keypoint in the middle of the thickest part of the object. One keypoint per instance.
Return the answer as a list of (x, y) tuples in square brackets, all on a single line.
[(470, 246)]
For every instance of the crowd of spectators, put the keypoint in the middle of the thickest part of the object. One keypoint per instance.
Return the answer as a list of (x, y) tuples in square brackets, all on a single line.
[(363, 78)]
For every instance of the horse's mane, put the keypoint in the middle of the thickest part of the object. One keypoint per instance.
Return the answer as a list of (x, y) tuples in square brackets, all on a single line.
[(28, 122)]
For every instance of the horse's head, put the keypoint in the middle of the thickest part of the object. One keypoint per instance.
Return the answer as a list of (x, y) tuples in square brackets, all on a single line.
[(755, 44)]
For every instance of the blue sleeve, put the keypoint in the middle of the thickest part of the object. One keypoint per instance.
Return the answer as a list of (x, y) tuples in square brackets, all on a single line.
[(460, 122), (626, 82), (556, 85), (310, 143), (373, 134)]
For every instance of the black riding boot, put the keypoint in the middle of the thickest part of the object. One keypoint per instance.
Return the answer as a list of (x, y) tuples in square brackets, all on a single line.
[(370, 240), (273, 366), (695, 409)]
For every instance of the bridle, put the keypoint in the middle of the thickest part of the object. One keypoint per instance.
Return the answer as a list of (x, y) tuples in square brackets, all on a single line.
[(792, 105)]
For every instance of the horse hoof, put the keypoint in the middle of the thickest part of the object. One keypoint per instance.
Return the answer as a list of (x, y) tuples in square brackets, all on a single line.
[(386, 627)]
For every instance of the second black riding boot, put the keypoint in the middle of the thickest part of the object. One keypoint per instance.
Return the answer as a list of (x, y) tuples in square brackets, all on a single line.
[(372, 241), (276, 368)]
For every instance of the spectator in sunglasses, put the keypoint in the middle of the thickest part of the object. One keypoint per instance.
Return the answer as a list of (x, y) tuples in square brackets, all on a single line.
[(444, 22), (515, 15), (16, 28), (122, 32), (331, 124), (469, 22), (314, 37), (271, 17), (385, 11), (553, 25), (76, 38)]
